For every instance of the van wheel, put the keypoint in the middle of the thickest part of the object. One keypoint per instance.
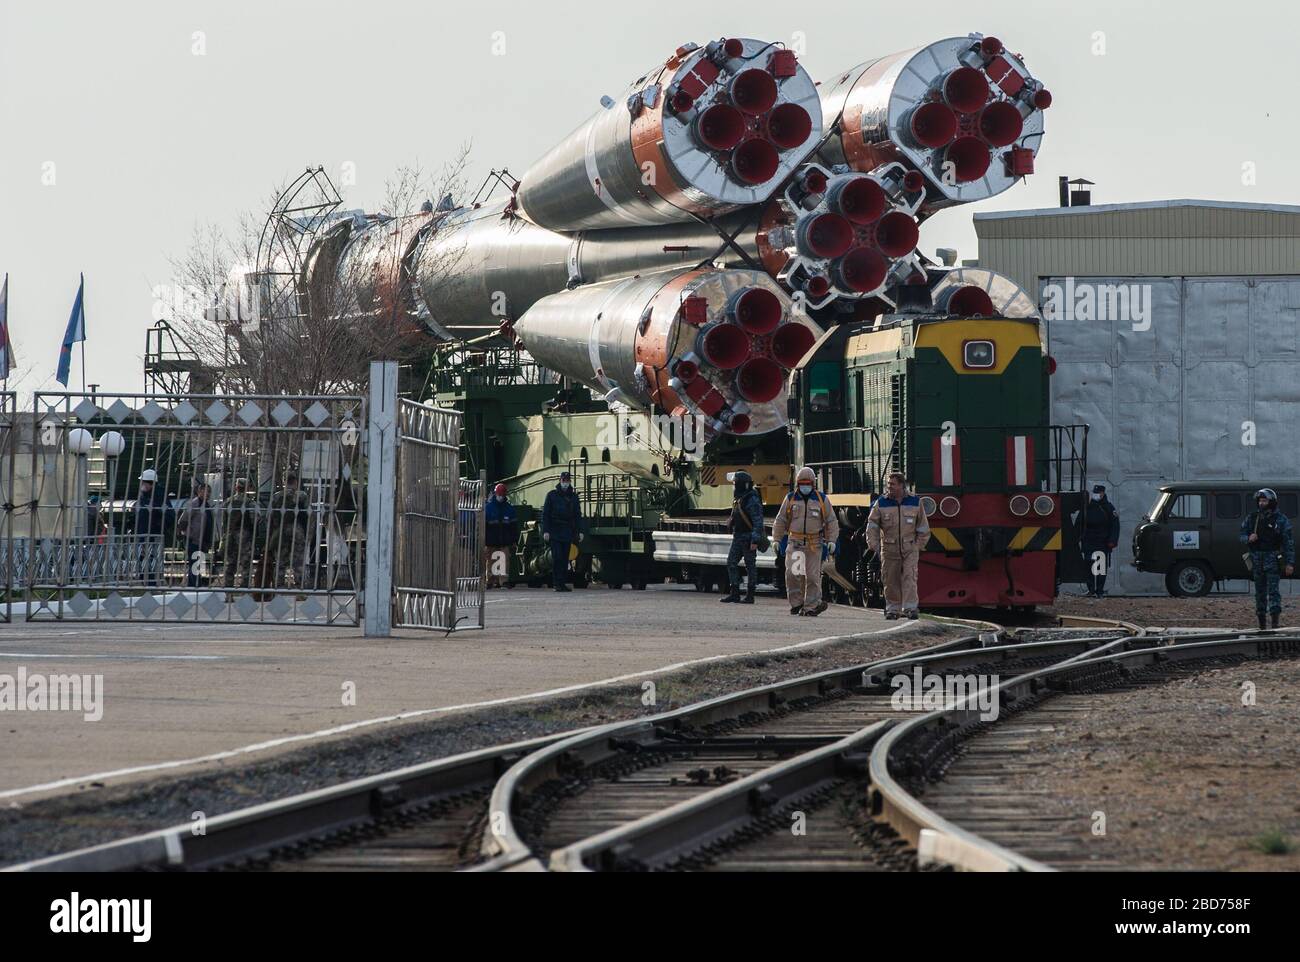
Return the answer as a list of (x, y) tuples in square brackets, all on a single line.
[(1190, 579)]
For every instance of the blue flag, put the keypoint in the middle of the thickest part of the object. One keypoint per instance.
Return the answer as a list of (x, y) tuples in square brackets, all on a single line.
[(76, 332), (6, 349)]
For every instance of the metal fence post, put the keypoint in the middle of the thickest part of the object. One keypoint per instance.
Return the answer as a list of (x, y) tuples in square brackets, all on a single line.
[(381, 497)]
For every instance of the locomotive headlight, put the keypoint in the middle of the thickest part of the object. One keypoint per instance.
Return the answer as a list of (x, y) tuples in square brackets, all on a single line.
[(928, 505), (949, 506), (1020, 506), (1043, 505), (978, 354)]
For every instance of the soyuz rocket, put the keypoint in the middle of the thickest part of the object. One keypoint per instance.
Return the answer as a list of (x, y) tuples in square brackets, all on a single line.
[(686, 246)]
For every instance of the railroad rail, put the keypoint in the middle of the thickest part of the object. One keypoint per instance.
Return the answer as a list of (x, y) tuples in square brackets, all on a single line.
[(704, 786), (747, 823), (436, 811)]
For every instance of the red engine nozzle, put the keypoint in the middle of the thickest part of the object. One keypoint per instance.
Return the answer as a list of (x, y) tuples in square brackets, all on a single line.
[(913, 181), (754, 162), (686, 371), (1001, 123), (970, 301), (790, 343), (759, 380), (969, 157), (724, 346), (788, 126), (1043, 99), (720, 127), (965, 90), (860, 271), (859, 199), (739, 423), (733, 47), (755, 309), (933, 125), (897, 234), (814, 181), (990, 46), (753, 91), (818, 286), (825, 235)]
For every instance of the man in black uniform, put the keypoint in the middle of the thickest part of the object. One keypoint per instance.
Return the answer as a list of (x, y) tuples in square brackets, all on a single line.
[(746, 527), (561, 519), (1100, 524), (1266, 533)]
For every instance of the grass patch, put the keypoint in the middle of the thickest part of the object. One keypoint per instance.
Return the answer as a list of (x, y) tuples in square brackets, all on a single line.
[(1272, 843)]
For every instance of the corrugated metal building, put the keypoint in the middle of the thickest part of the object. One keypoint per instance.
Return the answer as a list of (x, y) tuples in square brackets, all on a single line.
[(1173, 324)]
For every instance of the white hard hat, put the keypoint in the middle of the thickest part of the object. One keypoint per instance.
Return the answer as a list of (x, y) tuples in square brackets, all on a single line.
[(806, 474), (148, 474)]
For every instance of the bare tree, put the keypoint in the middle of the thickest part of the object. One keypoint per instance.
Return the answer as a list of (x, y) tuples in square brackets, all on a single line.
[(329, 290)]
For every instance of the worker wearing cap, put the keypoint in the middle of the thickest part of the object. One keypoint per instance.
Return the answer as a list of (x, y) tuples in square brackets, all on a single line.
[(561, 517), (239, 533), (897, 530), (286, 540), (499, 536), (807, 528), (153, 518), (1100, 523), (1266, 532), (746, 527)]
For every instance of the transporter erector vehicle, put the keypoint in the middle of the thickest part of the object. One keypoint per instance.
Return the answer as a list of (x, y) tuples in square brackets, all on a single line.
[(718, 269)]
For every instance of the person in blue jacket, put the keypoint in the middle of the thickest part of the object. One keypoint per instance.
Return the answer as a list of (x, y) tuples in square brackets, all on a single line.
[(746, 526), (1266, 533), (561, 518), (500, 534)]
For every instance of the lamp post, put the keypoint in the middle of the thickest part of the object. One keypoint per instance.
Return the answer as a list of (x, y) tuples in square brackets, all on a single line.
[(112, 444)]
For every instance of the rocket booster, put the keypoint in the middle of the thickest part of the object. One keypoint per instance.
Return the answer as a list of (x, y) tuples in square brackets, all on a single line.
[(684, 247)]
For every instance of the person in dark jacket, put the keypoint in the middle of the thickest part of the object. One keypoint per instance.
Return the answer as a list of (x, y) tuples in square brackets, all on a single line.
[(499, 536), (1100, 523), (561, 517), (153, 519), (1266, 532), (197, 523), (746, 527)]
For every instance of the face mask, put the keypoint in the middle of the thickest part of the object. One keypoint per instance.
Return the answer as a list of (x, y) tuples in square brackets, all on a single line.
[(564, 485), (1096, 497), (805, 489), (501, 497)]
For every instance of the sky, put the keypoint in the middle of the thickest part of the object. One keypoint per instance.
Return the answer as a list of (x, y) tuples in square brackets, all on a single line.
[(125, 125)]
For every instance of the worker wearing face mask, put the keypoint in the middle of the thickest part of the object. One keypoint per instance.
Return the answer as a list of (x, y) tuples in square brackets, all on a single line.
[(1100, 536), (561, 518), (807, 526), (499, 536), (746, 526)]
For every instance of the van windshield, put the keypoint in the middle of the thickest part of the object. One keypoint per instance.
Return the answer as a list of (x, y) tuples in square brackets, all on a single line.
[(1162, 499)]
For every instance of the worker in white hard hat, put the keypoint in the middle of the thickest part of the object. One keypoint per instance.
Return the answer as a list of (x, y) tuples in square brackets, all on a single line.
[(807, 529), (153, 518)]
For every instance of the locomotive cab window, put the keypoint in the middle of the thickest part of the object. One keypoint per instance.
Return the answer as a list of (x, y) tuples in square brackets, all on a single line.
[(977, 354)]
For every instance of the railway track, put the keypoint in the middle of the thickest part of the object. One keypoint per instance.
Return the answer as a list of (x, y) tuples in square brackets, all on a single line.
[(431, 817), (860, 803), (714, 785)]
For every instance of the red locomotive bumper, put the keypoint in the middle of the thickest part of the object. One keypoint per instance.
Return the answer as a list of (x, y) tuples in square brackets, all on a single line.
[(1026, 579)]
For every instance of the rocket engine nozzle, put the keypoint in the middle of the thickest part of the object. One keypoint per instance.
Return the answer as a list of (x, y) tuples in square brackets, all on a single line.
[(709, 130), (930, 107)]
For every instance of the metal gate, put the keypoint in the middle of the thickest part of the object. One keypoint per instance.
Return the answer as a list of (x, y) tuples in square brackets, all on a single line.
[(12, 502), (200, 508), (438, 526)]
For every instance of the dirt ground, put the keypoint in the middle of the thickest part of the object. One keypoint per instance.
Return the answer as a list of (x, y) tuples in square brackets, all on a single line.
[(1212, 611), (1188, 776)]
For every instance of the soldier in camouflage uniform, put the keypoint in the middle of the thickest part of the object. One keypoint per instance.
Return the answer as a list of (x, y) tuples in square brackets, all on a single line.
[(240, 528), (286, 542)]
